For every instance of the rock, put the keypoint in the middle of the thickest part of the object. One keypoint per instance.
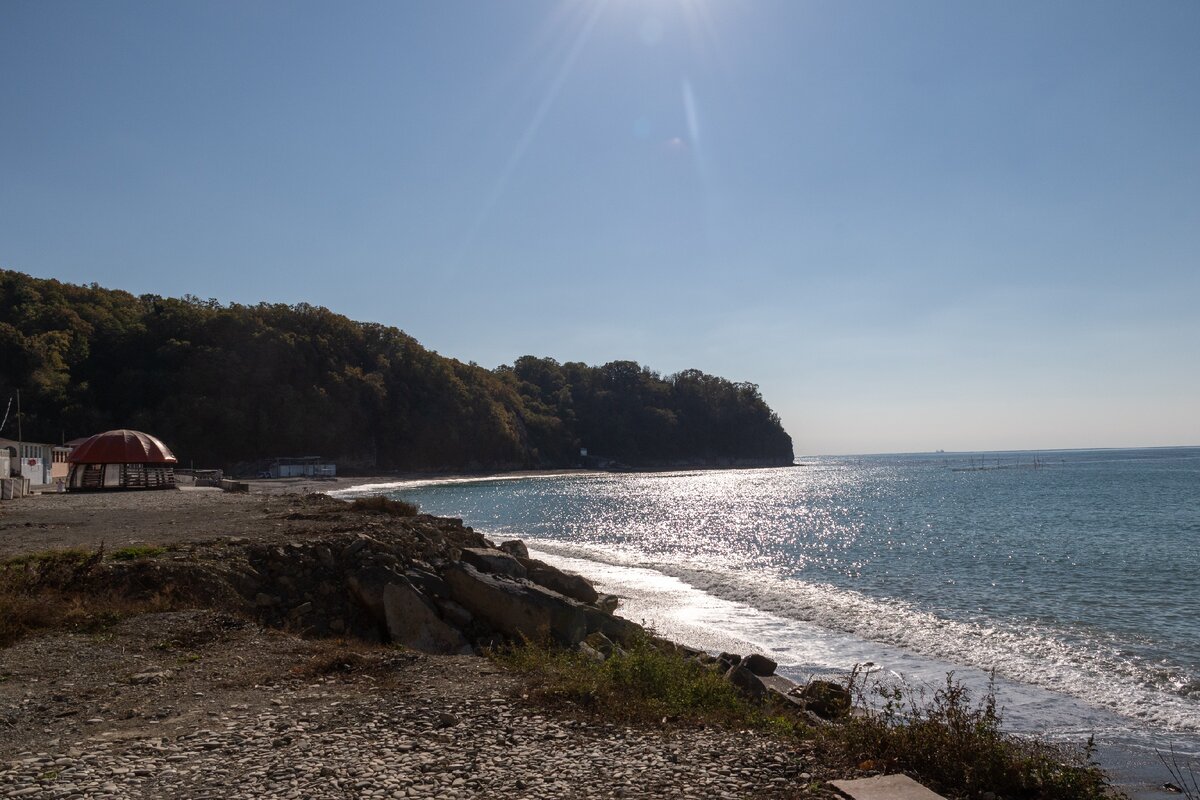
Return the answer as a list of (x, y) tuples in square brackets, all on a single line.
[(517, 608), (746, 682), (786, 693), (431, 584), (453, 613), (780, 685), (367, 585), (607, 603), (493, 561), (618, 629), (157, 676), (826, 699), (350, 550), (590, 652), (446, 719), (569, 584), (301, 609), (413, 622), (515, 548), (759, 664), (728, 660), (600, 643)]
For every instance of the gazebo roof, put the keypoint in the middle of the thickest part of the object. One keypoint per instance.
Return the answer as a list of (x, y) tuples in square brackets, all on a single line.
[(122, 447)]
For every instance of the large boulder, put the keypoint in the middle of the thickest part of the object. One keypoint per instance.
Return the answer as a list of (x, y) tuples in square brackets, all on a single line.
[(827, 699), (615, 628), (746, 682), (565, 583), (367, 586), (493, 561), (515, 607), (515, 548), (759, 664), (787, 696), (413, 622)]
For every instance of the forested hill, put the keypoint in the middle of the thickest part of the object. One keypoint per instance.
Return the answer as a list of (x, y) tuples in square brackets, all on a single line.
[(233, 384)]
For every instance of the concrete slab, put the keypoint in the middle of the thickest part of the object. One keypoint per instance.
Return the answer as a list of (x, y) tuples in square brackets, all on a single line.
[(885, 787)]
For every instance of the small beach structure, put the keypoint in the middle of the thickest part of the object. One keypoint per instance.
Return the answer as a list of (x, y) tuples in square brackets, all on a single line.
[(121, 459), (302, 467)]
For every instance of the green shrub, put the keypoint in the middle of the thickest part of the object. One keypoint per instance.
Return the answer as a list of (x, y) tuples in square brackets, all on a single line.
[(640, 684), (137, 551), (957, 747)]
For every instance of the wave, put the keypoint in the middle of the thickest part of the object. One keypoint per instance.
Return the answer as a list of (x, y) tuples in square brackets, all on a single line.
[(1091, 666), (422, 483)]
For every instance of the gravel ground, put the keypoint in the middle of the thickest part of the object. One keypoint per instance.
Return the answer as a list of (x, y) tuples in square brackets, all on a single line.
[(196, 704), (192, 705)]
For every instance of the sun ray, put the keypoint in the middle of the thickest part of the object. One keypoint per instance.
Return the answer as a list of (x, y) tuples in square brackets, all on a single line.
[(530, 131)]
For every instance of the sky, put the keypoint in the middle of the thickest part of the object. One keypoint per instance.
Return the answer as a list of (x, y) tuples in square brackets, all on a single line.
[(916, 226)]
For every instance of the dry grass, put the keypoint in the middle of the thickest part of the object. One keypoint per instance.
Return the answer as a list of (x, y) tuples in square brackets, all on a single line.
[(353, 658), (957, 746), (51, 591), (384, 505)]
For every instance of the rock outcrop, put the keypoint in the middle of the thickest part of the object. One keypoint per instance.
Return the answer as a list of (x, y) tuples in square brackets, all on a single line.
[(413, 621), (516, 607), (565, 583), (428, 583)]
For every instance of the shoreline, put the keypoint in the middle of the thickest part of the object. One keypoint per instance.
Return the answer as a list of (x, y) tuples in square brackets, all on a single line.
[(1127, 742), (178, 702), (174, 517), (345, 483)]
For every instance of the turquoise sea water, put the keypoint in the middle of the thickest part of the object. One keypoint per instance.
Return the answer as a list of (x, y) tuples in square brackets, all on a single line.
[(1072, 575)]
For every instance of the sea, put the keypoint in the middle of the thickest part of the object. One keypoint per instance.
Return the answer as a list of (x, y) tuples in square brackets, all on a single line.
[(1066, 582)]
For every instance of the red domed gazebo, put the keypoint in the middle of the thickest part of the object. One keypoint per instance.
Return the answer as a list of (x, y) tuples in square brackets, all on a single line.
[(121, 459)]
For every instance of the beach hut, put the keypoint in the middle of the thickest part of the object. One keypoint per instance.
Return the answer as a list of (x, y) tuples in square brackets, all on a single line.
[(121, 459)]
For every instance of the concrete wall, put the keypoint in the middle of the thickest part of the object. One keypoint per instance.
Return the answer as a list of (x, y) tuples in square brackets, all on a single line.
[(13, 488)]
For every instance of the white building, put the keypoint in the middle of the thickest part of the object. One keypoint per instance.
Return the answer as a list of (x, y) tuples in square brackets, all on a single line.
[(41, 463)]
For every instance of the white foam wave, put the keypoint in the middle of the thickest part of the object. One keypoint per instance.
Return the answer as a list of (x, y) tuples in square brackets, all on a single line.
[(774, 613), (420, 483)]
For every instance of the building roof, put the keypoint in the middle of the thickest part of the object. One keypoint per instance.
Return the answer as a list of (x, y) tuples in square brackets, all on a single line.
[(122, 447)]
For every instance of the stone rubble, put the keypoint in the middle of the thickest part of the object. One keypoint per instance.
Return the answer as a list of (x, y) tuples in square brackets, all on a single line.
[(409, 748)]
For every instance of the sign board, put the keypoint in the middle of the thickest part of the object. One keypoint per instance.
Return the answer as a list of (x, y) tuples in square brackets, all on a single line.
[(583, 452)]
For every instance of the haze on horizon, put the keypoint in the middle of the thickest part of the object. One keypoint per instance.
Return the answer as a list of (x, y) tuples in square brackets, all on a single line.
[(916, 226)]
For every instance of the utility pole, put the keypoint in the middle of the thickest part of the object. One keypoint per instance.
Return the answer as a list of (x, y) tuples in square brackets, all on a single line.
[(20, 440)]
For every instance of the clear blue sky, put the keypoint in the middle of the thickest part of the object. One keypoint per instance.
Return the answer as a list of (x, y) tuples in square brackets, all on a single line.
[(915, 225)]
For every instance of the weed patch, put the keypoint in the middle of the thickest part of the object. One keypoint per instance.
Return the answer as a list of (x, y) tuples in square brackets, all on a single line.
[(347, 657), (957, 747), (948, 742), (52, 591), (641, 684), (137, 551), (385, 505)]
